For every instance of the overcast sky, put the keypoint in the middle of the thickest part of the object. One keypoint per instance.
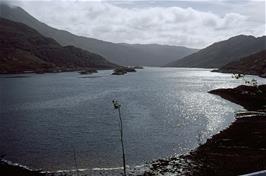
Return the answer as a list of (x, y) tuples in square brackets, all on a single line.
[(191, 23)]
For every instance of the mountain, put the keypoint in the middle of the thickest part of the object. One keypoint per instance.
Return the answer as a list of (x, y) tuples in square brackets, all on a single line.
[(222, 53), (23, 48), (123, 54), (159, 54), (254, 64)]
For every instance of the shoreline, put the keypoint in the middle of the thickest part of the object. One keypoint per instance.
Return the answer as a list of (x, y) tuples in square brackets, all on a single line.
[(61, 70), (9, 168), (238, 149), (238, 72)]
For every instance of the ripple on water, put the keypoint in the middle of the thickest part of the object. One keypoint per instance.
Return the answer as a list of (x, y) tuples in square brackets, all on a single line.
[(164, 110)]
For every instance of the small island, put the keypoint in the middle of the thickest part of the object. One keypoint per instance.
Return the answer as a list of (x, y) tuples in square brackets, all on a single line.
[(123, 70), (138, 67), (88, 71)]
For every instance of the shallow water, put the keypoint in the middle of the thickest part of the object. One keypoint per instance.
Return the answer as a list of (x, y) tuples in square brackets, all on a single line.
[(44, 118)]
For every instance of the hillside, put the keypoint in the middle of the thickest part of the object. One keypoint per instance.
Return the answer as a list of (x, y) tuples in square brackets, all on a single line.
[(222, 53), (254, 64), (24, 49), (123, 54)]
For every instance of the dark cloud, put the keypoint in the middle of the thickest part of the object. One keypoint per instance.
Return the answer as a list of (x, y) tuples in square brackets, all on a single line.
[(140, 22)]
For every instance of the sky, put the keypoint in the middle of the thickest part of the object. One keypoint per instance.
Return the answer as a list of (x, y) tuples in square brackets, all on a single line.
[(190, 23)]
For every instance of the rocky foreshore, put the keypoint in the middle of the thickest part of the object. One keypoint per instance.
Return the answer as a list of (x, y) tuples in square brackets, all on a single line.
[(239, 149), (250, 97), (10, 169)]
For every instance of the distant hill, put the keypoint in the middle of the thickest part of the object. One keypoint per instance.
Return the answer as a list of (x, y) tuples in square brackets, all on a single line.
[(222, 53), (160, 54), (25, 49), (254, 64), (123, 54)]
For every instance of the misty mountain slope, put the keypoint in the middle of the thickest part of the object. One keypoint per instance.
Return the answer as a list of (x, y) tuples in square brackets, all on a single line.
[(224, 52), (254, 64), (23, 48), (160, 52), (124, 54)]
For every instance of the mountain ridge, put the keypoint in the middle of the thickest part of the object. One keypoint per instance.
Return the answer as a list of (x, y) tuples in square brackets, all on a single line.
[(254, 64), (25, 49), (117, 53), (221, 53)]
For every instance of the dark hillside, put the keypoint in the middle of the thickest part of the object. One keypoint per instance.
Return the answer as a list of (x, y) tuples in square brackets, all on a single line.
[(24, 49)]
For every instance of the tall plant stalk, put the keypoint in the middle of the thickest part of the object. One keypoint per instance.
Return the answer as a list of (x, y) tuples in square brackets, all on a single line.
[(117, 106), (75, 160)]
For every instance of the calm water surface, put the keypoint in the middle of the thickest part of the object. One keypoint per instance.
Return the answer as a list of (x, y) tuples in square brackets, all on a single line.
[(165, 110)]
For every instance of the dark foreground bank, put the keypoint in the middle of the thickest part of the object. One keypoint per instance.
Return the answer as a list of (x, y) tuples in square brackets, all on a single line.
[(8, 169), (239, 149), (252, 98)]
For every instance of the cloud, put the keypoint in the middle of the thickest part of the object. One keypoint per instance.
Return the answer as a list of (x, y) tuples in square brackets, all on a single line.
[(172, 25)]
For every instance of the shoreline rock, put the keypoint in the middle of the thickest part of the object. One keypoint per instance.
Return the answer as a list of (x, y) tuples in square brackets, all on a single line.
[(88, 71), (250, 97)]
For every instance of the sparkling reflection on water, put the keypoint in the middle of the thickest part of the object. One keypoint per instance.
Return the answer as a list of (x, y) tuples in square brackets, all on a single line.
[(43, 117)]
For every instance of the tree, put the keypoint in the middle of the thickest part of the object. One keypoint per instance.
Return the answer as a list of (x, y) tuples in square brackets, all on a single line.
[(252, 82)]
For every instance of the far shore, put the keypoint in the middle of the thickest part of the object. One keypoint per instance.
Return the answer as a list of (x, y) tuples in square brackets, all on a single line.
[(42, 71)]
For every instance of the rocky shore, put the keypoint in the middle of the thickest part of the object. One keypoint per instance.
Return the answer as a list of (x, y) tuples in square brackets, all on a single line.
[(239, 149), (250, 97), (10, 169)]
